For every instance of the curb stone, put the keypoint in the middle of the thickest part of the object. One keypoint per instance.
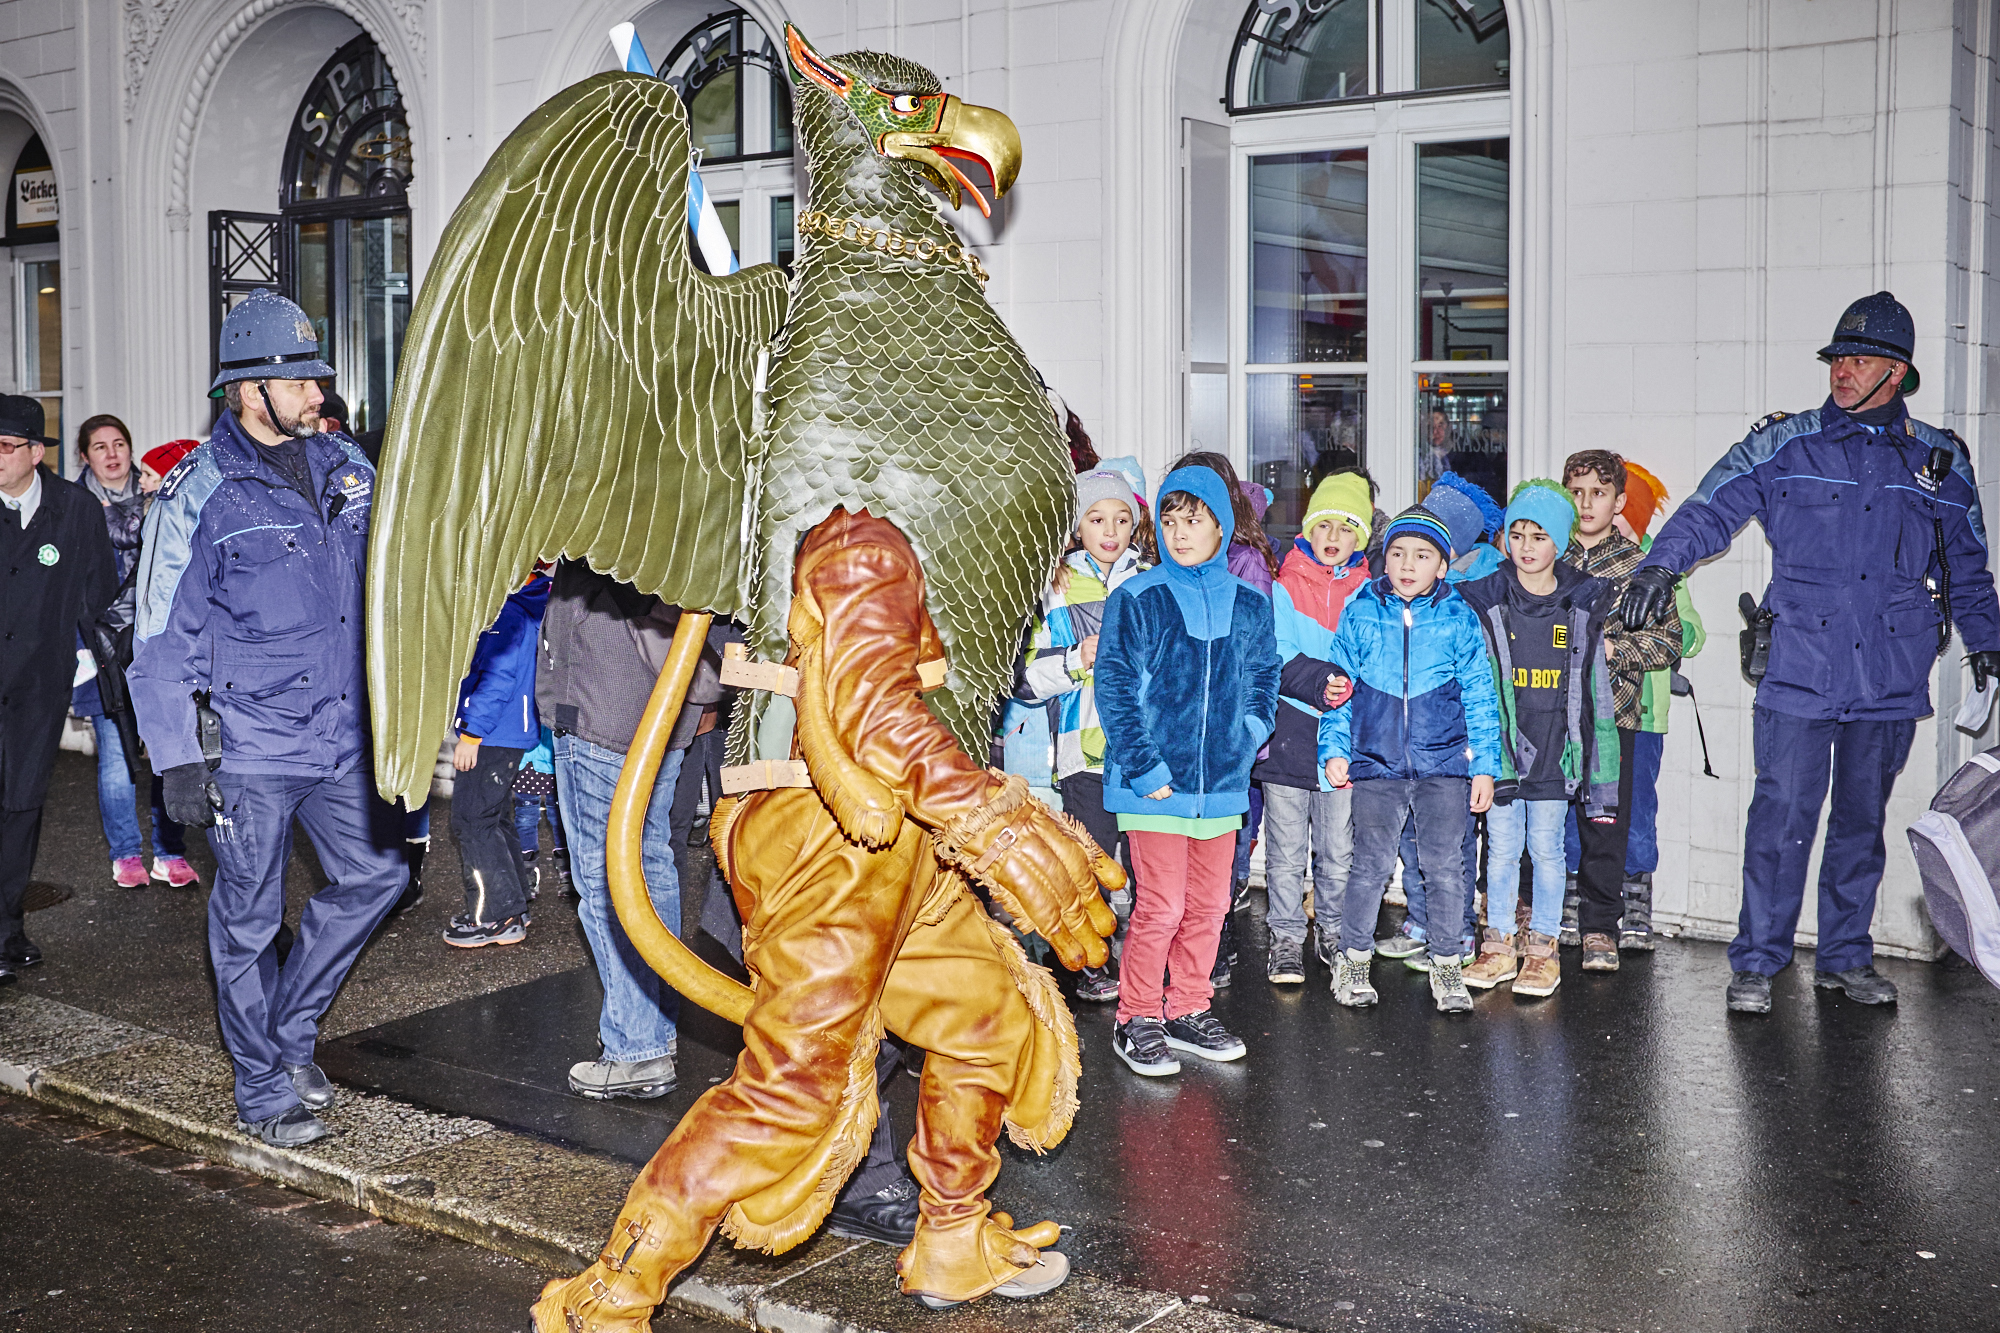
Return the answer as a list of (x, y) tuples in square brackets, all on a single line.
[(510, 1192)]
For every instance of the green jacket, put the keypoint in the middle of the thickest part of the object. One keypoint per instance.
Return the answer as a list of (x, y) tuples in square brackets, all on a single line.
[(1656, 693), (1590, 745)]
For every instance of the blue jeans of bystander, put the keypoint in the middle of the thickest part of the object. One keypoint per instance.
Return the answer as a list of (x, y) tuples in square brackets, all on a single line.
[(1537, 826)]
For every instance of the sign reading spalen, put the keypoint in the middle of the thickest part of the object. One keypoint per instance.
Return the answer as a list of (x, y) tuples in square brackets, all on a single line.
[(35, 198)]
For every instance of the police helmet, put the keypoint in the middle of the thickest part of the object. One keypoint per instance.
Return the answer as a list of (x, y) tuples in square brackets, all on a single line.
[(267, 337), (1877, 325)]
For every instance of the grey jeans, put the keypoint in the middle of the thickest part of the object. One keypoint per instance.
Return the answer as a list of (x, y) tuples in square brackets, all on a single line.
[(1295, 821), (1381, 806)]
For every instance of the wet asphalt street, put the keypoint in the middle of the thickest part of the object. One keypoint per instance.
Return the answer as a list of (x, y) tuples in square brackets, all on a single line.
[(1623, 1155), (102, 1231)]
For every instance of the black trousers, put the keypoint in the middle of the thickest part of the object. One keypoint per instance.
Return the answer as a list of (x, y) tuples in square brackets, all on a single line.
[(20, 837), (482, 823), (1600, 871), (1083, 801)]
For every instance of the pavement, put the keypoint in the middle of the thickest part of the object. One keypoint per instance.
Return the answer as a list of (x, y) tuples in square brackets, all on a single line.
[(1623, 1155)]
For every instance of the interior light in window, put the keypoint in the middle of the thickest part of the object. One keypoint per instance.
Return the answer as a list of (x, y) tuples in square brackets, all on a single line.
[(48, 291)]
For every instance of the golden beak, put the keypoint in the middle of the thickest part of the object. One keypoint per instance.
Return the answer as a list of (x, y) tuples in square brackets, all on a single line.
[(976, 133)]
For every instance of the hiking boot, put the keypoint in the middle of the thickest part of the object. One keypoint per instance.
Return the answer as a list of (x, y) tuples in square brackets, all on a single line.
[(1285, 962), (312, 1085), (1864, 985), (1541, 966), (1498, 961), (174, 872), (601, 1080), (1750, 993), (1142, 1044), (129, 872), (1202, 1034), (1448, 986), (1351, 986), (1524, 914), (1402, 944), (1096, 985), (1600, 952), (1635, 927), (1572, 901), (469, 932), (288, 1129), (1050, 1271)]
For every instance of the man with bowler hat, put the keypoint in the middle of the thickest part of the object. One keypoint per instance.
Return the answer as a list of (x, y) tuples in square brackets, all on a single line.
[(57, 573), (1878, 550), (248, 681)]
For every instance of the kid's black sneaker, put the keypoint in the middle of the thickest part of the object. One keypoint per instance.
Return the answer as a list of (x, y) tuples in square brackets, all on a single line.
[(1142, 1044), (468, 932), (1202, 1034)]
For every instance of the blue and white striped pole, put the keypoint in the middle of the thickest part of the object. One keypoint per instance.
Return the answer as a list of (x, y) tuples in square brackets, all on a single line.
[(703, 220)]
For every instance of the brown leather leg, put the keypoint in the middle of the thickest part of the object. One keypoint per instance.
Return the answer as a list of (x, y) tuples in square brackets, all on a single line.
[(951, 993), (821, 932)]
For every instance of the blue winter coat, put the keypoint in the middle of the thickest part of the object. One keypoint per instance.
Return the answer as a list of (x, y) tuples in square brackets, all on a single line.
[(253, 593), (497, 701), (1424, 704), (1852, 540), (1187, 678)]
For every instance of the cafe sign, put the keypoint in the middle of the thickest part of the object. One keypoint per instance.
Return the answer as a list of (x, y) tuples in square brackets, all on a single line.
[(35, 198)]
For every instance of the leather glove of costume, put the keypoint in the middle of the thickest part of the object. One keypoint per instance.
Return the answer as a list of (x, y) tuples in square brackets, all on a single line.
[(1041, 868), (1985, 667), (1647, 596), (190, 795)]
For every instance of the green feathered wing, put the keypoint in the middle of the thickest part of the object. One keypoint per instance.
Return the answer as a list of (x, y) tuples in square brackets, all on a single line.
[(571, 385)]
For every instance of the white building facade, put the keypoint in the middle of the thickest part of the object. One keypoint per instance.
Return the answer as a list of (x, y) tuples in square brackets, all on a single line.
[(1423, 233)]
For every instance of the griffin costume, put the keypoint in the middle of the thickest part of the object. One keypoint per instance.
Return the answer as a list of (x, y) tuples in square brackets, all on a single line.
[(804, 461)]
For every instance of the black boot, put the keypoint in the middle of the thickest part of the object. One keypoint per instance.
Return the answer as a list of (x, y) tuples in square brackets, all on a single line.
[(1572, 900), (1225, 955), (413, 892), (529, 858), (1635, 927)]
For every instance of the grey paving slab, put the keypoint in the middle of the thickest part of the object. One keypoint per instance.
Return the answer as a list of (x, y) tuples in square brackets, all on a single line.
[(36, 1033)]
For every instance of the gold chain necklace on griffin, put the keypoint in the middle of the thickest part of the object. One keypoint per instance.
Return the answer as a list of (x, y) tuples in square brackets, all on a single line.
[(851, 230)]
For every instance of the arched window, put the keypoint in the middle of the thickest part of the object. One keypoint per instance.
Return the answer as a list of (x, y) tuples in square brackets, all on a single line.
[(344, 192), (1365, 315), (732, 79)]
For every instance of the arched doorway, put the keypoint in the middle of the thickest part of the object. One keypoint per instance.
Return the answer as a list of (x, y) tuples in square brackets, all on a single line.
[(340, 243), (33, 363)]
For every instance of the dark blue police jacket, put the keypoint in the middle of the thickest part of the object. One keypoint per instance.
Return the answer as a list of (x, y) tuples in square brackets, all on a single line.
[(1850, 522), (248, 590)]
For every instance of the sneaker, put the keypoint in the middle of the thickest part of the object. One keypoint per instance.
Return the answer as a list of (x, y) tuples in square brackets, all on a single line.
[(468, 932), (1285, 962), (1541, 967), (1572, 901), (1600, 952), (288, 1129), (128, 872), (174, 871), (1750, 993), (1448, 986), (601, 1080), (1420, 961), (1142, 1044), (1240, 898), (1863, 985), (1351, 986), (1402, 944), (1498, 961), (1202, 1034), (1635, 927), (1327, 946), (1096, 985)]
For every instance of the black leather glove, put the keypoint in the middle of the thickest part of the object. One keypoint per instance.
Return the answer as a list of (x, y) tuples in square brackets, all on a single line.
[(1985, 667), (1647, 596), (185, 791)]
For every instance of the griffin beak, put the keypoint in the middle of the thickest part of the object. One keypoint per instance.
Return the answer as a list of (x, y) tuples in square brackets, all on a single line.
[(969, 132)]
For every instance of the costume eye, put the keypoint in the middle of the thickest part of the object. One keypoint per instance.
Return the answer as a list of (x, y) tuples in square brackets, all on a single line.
[(905, 103)]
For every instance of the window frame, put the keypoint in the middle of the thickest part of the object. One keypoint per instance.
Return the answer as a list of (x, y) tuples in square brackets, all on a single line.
[(1392, 68), (736, 19)]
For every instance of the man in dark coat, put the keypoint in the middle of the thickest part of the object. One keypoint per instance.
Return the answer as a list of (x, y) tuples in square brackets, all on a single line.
[(59, 574)]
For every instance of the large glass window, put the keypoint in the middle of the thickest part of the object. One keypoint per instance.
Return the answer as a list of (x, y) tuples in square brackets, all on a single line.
[(1294, 52), (1461, 43), (38, 280), (1301, 428), (1309, 257), (1462, 251), (738, 98), (1462, 426)]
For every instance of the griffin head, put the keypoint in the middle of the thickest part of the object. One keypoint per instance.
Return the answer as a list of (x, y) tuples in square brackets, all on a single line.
[(908, 116)]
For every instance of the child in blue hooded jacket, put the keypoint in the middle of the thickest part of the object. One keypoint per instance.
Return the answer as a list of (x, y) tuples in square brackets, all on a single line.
[(1187, 693), (1420, 740)]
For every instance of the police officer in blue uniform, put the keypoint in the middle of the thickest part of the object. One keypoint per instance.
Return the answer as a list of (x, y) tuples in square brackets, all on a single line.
[(247, 680), (1878, 552)]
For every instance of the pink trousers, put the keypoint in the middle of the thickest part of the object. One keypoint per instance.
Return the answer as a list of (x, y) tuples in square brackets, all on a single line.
[(1177, 915)]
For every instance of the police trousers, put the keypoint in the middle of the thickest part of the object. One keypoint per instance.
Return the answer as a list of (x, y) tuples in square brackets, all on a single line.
[(270, 1013), (1796, 756)]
